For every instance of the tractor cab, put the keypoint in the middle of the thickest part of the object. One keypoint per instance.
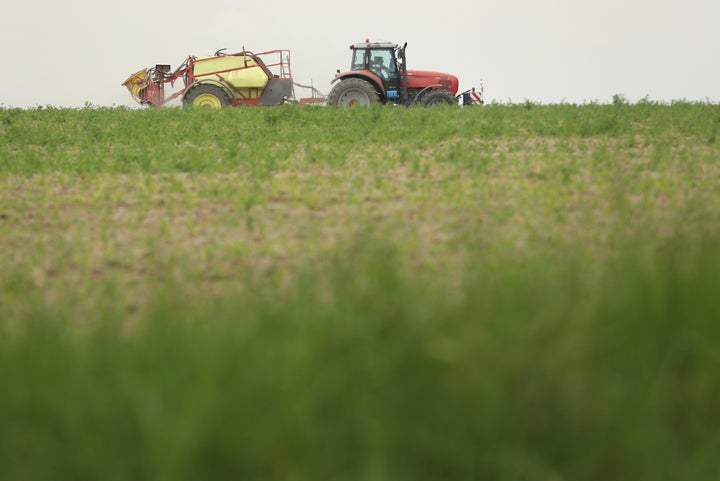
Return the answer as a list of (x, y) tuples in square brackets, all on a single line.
[(378, 58), (382, 60)]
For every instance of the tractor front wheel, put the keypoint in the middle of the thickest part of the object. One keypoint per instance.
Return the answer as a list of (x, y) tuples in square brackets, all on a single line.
[(438, 97), (352, 91), (208, 96)]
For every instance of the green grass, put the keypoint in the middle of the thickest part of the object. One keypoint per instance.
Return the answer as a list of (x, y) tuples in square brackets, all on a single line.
[(516, 292)]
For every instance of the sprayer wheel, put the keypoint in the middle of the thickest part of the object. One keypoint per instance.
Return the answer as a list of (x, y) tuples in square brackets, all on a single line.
[(209, 96)]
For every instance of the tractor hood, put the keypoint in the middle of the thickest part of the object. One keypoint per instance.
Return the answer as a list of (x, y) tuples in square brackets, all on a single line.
[(424, 78)]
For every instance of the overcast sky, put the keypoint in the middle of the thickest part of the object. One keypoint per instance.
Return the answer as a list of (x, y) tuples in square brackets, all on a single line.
[(68, 53)]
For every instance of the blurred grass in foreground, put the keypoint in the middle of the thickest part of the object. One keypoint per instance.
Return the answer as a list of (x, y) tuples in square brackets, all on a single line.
[(526, 372), (508, 293)]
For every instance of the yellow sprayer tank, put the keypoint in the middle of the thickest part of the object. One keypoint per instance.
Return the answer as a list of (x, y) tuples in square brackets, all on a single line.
[(240, 71)]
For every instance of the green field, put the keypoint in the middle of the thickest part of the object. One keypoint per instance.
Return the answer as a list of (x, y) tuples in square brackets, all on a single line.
[(512, 292)]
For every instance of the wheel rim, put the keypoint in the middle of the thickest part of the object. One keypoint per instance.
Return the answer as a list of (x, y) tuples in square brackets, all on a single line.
[(208, 101), (354, 97)]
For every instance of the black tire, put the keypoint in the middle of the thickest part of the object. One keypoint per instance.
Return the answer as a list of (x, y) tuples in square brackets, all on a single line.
[(204, 95), (352, 91), (438, 97)]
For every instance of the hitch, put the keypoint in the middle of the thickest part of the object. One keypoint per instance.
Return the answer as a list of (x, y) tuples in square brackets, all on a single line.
[(472, 96)]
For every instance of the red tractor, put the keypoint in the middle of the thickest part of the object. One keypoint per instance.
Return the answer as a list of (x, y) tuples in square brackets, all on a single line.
[(378, 73)]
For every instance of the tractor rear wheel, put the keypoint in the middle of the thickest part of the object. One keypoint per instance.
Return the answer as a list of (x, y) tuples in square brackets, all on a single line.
[(352, 91), (438, 97), (208, 96)]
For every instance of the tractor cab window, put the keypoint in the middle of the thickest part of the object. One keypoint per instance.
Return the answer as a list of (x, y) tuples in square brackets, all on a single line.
[(382, 63)]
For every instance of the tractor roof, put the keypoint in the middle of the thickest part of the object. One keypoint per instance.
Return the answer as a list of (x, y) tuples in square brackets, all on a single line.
[(378, 45)]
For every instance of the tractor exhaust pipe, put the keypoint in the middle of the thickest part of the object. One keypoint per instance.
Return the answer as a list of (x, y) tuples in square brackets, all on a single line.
[(404, 77)]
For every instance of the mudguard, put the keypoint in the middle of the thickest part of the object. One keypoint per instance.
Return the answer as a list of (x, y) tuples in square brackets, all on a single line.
[(365, 75), (217, 83), (276, 91)]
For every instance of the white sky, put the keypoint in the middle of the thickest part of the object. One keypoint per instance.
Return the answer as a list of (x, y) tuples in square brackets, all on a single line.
[(67, 53)]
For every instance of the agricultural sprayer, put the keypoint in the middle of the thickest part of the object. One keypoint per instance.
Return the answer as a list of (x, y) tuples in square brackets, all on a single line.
[(218, 80)]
